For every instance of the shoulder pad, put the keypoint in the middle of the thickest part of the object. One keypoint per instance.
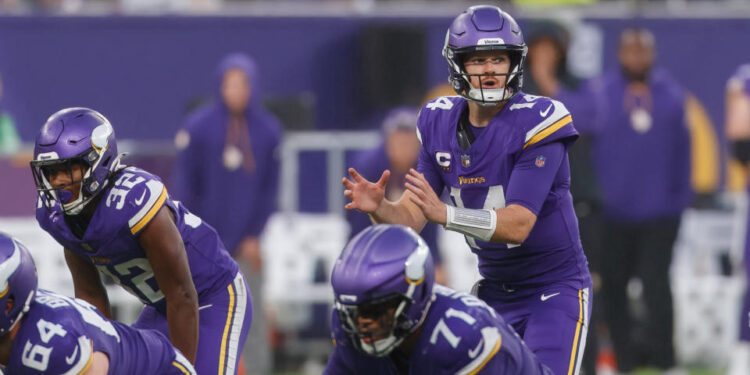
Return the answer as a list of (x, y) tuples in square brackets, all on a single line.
[(465, 337), (67, 351), (436, 112), (545, 118), (137, 196)]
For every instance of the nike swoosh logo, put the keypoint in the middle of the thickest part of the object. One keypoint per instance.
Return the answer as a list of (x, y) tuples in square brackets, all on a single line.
[(69, 360), (140, 200), (546, 297), (474, 352), (544, 113), (205, 306)]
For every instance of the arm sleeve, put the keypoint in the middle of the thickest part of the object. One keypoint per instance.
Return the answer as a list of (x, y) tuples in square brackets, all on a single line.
[(426, 166), (147, 198), (533, 174)]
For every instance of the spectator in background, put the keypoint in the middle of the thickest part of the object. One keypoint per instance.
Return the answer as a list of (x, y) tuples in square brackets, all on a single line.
[(9, 140), (227, 172), (398, 152), (642, 160), (738, 133), (549, 76)]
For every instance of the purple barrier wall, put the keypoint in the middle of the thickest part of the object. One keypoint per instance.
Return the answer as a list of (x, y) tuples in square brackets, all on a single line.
[(143, 71)]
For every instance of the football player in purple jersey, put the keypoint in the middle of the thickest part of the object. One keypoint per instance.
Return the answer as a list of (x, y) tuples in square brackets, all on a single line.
[(42, 332), (391, 318), (502, 156), (120, 221)]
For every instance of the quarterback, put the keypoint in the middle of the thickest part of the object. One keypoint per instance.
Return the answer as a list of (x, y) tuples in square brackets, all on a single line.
[(501, 155)]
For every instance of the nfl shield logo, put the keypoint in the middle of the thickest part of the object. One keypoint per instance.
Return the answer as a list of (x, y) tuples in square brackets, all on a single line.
[(540, 161), (465, 161)]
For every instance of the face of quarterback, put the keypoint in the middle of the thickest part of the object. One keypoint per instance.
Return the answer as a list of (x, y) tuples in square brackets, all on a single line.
[(492, 65), (235, 90), (66, 177)]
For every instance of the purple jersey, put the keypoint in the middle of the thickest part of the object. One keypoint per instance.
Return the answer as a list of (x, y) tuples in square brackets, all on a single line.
[(59, 335), (460, 335), (498, 169), (111, 239)]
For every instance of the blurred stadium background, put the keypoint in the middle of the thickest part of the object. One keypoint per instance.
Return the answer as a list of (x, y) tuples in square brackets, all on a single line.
[(329, 71)]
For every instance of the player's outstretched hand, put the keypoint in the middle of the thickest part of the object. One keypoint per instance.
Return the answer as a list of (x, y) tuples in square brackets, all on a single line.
[(423, 195), (366, 196)]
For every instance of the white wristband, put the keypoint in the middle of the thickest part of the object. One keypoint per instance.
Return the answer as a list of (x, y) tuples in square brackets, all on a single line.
[(479, 224)]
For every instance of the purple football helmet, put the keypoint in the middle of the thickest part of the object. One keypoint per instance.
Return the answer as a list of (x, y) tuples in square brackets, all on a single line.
[(74, 136), (382, 282), (18, 281), (484, 28)]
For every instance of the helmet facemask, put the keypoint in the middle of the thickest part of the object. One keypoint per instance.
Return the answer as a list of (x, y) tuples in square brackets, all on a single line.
[(89, 183), (461, 80), (381, 303), (379, 326)]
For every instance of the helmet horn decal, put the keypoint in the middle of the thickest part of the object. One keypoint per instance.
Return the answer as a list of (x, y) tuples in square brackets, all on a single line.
[(8, 267)]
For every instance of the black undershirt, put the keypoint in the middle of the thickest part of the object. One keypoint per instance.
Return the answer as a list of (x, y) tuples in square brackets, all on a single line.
[(79, 223)]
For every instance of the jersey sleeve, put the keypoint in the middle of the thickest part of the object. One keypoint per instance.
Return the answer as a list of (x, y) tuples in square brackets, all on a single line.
[(143, 201), (425, 163), (51, 348), (485, 352), (533, 175), (547, 121), (134, 199), (464, 339)]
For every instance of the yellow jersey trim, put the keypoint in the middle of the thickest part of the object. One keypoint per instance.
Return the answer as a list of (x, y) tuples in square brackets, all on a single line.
[(226, 329), (498, 344), (578, 333), (549, 130), (151, 212), (181, 367), (90, 361)]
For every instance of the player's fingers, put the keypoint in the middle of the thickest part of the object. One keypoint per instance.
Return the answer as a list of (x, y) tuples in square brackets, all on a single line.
[(348, 194), (384, 178), (347, 183), (414, 198), (356, 176), (414, 181), (350, 206), (414, 189), (417, 175)]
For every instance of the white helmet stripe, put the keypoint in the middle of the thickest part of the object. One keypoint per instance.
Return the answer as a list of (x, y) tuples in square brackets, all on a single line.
[(10, 266)]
